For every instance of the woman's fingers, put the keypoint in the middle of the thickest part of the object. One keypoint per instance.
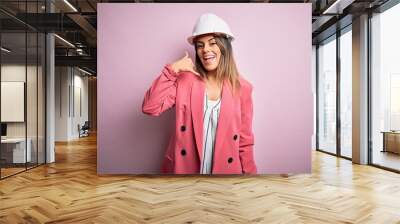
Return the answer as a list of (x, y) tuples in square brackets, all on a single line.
[(185, 64)]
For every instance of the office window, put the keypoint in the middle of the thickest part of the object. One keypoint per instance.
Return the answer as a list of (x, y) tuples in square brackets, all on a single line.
[(346, 93), (385, 90), (327, 96)]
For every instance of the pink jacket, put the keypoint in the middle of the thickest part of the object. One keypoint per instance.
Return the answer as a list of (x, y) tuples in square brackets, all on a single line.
[(233, 153)]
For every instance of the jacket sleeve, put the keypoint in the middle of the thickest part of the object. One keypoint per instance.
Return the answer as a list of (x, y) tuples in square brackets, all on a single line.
[(162, 93), (246, 140)]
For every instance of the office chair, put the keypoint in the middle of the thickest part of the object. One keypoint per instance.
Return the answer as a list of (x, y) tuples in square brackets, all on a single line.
[(84, 130)]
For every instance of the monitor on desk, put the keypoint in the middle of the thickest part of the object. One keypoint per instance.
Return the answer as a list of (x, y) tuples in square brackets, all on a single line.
[(3, 130)]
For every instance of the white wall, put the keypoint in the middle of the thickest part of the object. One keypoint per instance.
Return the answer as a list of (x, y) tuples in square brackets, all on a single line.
[(81, 83), (62, 81), (71, 93), (15, 72), (10, 73)]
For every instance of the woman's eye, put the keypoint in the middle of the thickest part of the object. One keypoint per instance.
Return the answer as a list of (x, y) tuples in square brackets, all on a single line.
[(212, 43)]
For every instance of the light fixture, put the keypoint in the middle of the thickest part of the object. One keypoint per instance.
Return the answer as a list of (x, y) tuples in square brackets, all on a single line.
[(84, 71), (79, 51), (5, 50), (64, 40), (338, 6), (70, 5)]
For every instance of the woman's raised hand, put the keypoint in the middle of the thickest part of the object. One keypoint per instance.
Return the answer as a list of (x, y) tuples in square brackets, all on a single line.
[(184, 64)]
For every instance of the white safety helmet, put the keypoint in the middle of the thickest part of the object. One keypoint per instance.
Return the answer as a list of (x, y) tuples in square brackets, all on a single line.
[(210, 23)]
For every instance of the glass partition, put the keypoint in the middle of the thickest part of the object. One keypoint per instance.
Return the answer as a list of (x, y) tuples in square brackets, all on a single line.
[(32, 96), (13, 99), (22, 77), (327, 96), (41, 87)]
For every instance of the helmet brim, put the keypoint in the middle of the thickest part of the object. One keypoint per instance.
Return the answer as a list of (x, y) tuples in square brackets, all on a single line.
[(192, 38)]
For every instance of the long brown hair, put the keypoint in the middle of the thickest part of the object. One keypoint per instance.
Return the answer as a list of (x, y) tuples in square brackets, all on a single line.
[(226, 69)]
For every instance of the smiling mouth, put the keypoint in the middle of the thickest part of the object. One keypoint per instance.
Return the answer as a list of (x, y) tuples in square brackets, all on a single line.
[(209, 59)]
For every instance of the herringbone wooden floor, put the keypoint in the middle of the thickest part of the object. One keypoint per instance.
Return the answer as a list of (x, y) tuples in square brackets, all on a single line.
[(70, 191)]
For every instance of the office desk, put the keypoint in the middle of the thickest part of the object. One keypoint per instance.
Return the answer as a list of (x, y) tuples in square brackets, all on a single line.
[(13, 150), (391, 141)]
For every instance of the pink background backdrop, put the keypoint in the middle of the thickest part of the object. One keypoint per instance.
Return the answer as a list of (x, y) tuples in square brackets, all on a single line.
[(272, 50)]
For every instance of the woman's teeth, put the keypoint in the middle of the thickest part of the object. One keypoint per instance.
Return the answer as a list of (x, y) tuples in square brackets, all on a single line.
[(209, 59)]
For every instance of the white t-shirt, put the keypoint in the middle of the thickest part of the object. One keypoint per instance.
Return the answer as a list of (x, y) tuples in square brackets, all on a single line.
[(210, 121)]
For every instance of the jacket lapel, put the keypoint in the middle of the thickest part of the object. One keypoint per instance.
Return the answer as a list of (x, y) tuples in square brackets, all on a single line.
[(197, 104), (225, 116)]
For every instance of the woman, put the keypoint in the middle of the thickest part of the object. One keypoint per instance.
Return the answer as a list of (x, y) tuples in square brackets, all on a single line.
[(214, 110)]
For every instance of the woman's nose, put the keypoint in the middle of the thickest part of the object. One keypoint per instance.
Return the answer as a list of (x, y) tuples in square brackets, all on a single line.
[(206, 48)]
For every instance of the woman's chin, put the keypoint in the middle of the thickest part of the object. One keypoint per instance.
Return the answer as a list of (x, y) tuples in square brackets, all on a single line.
[(210, 68)]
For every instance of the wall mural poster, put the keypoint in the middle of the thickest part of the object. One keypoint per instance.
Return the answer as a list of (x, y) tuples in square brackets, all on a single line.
[(197, 89)]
